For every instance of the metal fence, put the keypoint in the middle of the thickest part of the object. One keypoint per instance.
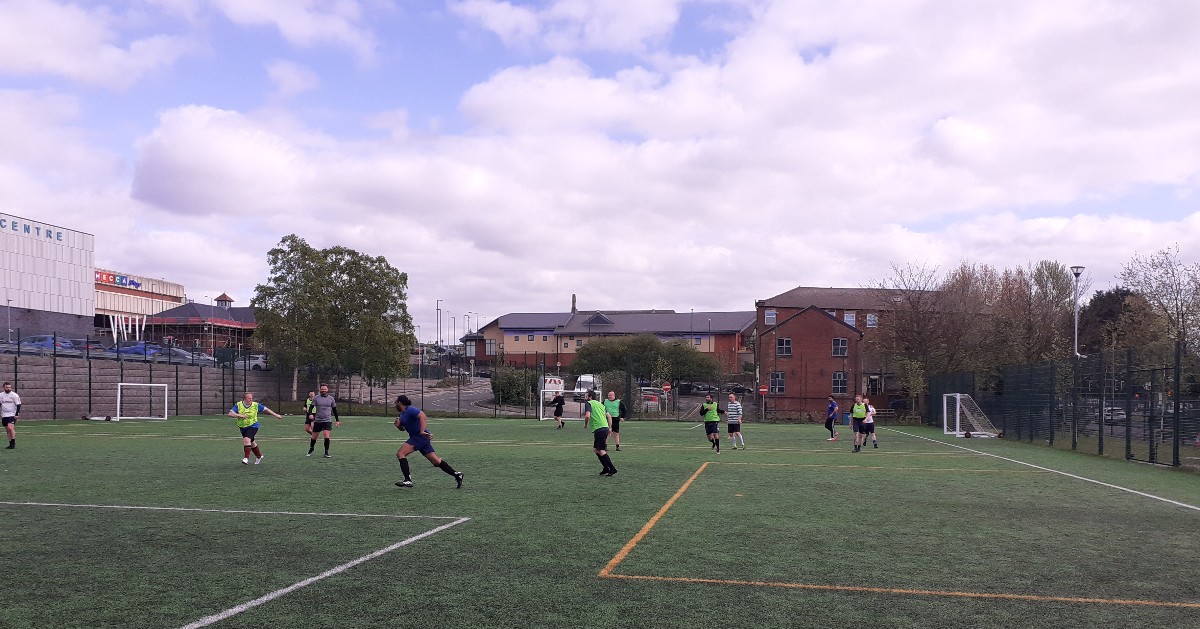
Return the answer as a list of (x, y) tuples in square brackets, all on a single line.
[(1139, 404)]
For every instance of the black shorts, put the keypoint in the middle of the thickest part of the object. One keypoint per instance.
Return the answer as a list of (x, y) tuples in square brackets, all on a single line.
[(712, 428), (600, 438), (8, 420), (308, 420), (557, 412), (249, 432), (868, 428), (733, 427), (856, 424), (318, 426), (616, 425)]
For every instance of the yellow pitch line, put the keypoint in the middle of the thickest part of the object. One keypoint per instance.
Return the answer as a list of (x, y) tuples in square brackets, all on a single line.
[(880, 590), (628, 547)]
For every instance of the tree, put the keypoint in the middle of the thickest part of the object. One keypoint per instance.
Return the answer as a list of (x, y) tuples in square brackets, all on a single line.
[(1119, 318), (1170, 287), (336, 308), (644, 356)]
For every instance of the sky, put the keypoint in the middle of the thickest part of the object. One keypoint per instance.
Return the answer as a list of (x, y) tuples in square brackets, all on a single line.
[(671, 154)]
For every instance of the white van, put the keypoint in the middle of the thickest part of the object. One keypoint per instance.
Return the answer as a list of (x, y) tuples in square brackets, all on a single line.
[(587, 382)]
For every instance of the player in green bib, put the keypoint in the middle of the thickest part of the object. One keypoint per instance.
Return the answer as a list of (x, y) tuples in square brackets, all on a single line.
[(712, 422), (858, 413), (616, 410), (597, 422), (246, 413), (308, 412)]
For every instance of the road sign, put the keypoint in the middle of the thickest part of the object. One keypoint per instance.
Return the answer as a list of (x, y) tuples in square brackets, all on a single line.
[(762, 389), (666, 387)]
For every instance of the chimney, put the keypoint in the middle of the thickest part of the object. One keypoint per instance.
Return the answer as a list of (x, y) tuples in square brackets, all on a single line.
[(573, 309)]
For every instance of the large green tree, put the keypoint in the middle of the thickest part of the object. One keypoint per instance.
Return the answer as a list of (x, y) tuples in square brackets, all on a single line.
[(645, 356), (333, 308)]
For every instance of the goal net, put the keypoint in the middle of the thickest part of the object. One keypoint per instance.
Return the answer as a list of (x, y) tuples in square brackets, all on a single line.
[(141, 401), (961, 416)]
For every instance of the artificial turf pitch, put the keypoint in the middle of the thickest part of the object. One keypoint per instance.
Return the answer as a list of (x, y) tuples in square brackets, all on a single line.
[(794, 531)]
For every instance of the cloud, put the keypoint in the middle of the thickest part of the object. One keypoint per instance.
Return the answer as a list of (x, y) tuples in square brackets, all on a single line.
[(291, 78), (564, 26), (307, 23), (83, 45)]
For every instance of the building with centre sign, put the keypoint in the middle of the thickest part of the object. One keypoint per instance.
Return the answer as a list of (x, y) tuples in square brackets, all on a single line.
[(47, 278)]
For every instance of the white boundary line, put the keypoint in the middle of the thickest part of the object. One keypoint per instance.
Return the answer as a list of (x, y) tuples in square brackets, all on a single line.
[(1082, 478), (247, 511), (232, 611)]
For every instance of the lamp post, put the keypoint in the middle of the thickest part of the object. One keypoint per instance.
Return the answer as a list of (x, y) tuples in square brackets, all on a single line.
[(1077, 271), (453, 335), (8, 314), (212, 339), (439, 322)]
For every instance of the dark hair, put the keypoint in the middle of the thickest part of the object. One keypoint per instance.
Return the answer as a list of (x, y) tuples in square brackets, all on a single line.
[(8, 384), (591, 394), (402, 401)]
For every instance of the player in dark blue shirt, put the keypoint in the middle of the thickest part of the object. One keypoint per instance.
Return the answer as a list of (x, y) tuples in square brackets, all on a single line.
[(413, 421)]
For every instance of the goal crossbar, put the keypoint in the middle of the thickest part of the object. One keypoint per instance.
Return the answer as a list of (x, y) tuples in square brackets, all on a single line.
[(961, 416), (141, 397)]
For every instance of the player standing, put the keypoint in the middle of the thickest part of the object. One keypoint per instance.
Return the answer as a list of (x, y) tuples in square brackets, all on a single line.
[(712, 422), (10, 409), (246, 413), (858, 413), (413, 420), (733, 419), (324, 408), (831, 417), (616, 410), (558, 403), (597, 422), (308, 412), (869, 424)]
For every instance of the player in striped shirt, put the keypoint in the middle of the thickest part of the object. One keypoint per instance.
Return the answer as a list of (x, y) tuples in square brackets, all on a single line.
[(733, 417)]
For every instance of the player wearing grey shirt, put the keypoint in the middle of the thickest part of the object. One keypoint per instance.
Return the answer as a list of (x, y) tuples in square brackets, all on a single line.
[(324, 408)]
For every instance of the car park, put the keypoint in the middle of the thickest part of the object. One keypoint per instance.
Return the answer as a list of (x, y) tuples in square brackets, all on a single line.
[(88, 345), (45, 343), (134, 349), (180, 356)]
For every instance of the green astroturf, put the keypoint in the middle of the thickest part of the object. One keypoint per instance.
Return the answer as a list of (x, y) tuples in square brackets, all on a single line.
[(779, 535)]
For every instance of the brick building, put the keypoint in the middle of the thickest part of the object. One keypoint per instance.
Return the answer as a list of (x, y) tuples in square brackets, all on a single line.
[(816, 342)]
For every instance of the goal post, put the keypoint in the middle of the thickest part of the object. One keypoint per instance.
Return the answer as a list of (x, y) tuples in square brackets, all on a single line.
[(141, 401), (962, 417)]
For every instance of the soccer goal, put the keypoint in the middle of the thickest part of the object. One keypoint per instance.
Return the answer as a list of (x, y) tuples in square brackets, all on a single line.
[(961, 416), (551, 386), (141, 401)]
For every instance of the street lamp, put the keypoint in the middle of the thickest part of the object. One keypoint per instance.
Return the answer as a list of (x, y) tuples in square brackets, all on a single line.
[(439, 321), (453, 334), (1076, 271), (8, 314), (212, 339)]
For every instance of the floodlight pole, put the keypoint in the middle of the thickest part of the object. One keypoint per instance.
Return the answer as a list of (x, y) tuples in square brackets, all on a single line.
[(8, 314)]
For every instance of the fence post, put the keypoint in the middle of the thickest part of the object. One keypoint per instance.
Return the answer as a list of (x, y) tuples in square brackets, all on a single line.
[(88, 342), (1103, 410), (54, 376), (1075, 404), (1129, 404), (177, 390), (1151, 451), (1053, 402), (1175, 427)]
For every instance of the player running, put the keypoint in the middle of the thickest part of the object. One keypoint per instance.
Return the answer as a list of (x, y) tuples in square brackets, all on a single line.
[(324, 408), (413, 420), (597, 422), (246, 413), (831, 416)]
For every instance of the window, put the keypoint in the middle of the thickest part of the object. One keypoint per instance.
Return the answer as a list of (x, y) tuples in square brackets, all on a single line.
[(777, 382), (578, 342), (839, 382), (571, 338), (769, 317), (544, 338), (872, 320), (849, 317), (531, 337), (783, 346), (516, 337), (566, 345), (490, 347), (696, 341), (470, 349), (832, 313), (841, 347)]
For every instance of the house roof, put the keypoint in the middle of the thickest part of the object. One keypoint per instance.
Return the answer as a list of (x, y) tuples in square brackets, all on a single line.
[(531, 320), (194, 313), (664, 323), (831, 298), (817, 311)]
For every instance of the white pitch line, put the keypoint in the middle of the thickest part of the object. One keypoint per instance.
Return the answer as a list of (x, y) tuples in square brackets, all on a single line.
[(1075, 476), (233, 611), (696, 426), (245, 511)]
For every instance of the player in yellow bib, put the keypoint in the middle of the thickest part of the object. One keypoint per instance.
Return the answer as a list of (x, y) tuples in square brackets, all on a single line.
[(597, 422), (246, 413), (858, 413)]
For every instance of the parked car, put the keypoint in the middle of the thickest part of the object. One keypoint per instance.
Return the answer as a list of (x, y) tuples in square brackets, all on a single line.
[(1114, 415), (136, 348), (44, 342), (181, 356), (258, 362), (88, 345), (734, 387)]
